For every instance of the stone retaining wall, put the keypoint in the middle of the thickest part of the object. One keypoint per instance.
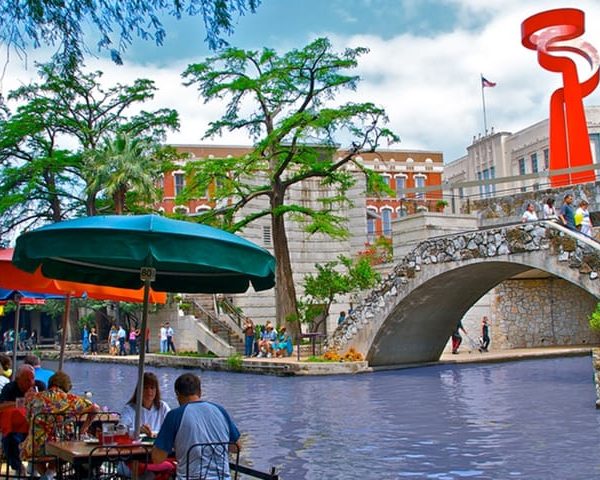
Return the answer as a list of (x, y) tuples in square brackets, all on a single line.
[(541, 312)]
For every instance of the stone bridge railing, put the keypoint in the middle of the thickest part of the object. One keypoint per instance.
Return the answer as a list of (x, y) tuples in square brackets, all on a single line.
[(578, 252)]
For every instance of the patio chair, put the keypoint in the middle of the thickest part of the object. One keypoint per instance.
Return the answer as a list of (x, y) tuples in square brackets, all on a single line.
[(106, 462), (211, 461), (62, 427)]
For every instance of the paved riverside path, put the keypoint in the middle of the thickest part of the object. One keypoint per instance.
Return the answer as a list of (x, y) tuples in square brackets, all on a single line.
[(290, 365)]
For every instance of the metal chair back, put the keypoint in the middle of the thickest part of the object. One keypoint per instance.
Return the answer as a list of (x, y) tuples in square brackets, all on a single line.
[(211, 461)]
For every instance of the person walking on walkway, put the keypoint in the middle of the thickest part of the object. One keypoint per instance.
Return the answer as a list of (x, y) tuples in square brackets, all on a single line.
[(121, 336), (456, 337), (582, 219), (529, 214), (163, 338), (567, 212), (485, 334), (170, 334)]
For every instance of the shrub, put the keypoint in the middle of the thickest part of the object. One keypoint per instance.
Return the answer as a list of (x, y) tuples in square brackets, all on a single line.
[(594, 319), (234, 362)]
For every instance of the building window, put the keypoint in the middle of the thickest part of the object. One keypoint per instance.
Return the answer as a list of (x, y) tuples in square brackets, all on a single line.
[(266, 235), (386, 180), (480, 178), (400, 185), (371, 216), (181, 210), (546, 159), (401, 211), (179, 180), (534, 163), (492, 189), (419, 183), (386, 220), (522, 166)]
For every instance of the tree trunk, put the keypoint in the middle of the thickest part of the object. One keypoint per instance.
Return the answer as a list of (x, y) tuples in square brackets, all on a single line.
[(286, 308)]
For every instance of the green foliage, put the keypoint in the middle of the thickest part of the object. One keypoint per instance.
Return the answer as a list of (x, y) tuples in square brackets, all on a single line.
[(234, 362), (53, 308), (319, 359), (88, 320), (289, 110), (333, 279), (43, 183), (115, 24), (594, 319), (189, 353), (380, 251)]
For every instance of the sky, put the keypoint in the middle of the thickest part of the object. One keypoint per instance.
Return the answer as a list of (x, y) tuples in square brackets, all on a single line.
[(423, 67)]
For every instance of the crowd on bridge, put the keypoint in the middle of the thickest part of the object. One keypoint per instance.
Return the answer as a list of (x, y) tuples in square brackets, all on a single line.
[(578, 220)]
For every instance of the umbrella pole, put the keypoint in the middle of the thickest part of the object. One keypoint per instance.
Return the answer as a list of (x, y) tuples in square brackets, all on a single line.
[(63, 337), (17, 298), (142, 359)]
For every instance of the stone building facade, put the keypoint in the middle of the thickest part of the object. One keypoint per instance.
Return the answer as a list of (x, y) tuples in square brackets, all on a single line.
[(503, 163), (367, 218)]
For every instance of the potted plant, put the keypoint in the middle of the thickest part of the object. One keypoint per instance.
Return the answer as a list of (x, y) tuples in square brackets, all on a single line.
[(440, 205)]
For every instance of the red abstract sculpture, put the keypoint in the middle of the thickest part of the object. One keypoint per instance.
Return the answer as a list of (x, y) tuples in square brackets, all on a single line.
[(558, 31)]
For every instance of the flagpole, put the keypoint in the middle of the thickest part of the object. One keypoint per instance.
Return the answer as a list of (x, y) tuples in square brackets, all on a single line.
[(483, 102)]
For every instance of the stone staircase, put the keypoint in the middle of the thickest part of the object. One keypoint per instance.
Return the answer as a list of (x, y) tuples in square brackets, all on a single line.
[(204, 309)]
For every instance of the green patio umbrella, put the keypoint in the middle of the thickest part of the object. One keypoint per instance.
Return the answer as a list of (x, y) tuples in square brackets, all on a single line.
[(143, 251)]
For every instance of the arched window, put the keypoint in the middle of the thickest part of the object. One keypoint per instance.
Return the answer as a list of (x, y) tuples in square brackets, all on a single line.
[(419, 183), (386, 220), (371, 219)]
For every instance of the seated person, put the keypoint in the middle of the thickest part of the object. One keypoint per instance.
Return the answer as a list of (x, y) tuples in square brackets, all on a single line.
[(5, 370), (42, 375), (24, 382), (268, 338), (196, 421), (56, 399), (283, 345), (154, 411)]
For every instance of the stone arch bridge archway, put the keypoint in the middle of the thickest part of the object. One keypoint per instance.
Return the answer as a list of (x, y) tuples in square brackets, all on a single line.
[(409, 317)]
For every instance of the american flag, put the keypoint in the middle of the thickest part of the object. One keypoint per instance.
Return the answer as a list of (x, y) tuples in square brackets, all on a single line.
[(486, 83)]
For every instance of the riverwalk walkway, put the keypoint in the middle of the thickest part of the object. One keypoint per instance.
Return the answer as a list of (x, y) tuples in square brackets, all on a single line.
[(291, 366)]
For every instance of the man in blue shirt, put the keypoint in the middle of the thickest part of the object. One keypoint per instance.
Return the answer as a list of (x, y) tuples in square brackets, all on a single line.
[(567, 212), (41, 374), (194, 422)]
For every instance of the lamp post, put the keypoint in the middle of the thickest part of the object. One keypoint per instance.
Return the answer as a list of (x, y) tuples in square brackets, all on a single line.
[(17, 297)]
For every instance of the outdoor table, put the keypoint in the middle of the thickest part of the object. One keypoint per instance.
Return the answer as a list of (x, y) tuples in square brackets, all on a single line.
[(78, 453), (313, 340), (13, 420)]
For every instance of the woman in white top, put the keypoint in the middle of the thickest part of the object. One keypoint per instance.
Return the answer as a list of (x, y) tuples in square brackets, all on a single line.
[(529, 215), (549, 210), (154, 410), (583, 220), (6, 370)]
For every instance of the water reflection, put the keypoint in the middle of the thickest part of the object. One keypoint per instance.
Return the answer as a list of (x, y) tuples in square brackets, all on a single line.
[(529, 420)]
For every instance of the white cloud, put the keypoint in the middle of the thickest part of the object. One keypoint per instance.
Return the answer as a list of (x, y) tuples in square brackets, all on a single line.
[(429, 86)]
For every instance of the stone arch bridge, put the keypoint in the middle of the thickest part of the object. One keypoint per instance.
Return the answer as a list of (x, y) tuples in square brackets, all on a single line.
[(409, 317)]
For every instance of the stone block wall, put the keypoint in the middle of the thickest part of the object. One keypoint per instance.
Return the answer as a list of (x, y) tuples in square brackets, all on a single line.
[(540, 312), (511, 207)]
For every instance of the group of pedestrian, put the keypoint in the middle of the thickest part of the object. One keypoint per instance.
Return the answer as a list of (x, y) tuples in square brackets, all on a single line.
[(89, 341), (166, 335), (574, 219), (25, 340), (484, 339), (266, 341)]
